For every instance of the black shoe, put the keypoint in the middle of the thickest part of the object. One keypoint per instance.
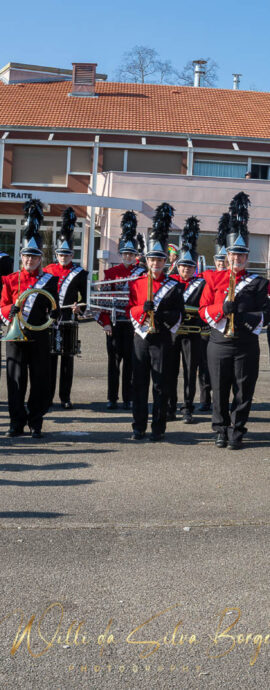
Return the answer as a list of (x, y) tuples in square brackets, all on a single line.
[(14, 431), (36, 433), (111, 405), (187, 418), (204, 407), (127, 405), (221, 440), (171, 416), (235, 445), (156, 437), (67, 405), (138, 435)]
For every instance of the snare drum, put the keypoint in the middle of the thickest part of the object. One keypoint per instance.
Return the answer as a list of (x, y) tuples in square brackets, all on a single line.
[(64, 339)]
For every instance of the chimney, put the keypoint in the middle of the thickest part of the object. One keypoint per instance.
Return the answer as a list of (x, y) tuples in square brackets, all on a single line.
[(236, 81), (199, 72), (83, 79)]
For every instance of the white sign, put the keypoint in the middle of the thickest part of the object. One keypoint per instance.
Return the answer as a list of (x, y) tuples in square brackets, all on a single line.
[(70, 199)]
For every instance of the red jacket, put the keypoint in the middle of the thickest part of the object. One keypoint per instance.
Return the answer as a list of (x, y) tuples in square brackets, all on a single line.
[(11, 288), (168, 300), (59, 271), (214, 294), (13, 285), (250, 301)]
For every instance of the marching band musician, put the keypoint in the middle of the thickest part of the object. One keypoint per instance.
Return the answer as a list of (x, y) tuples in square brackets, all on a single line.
[(72, 285), (236, 319), (152, 350), (119, 336), (173, 253), (190, 343), (34, 354), (220, 261), (6, 266)]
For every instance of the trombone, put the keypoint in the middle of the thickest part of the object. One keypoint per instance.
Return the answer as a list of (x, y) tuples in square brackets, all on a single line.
[(15, 329), (186, 328)]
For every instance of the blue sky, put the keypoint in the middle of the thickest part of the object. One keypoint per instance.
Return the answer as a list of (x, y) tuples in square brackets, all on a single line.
[(234, 33)]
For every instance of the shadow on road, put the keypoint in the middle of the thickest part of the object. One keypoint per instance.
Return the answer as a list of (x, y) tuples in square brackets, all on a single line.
[(29, 514), (36, 450), (12, 467), (49, 482)]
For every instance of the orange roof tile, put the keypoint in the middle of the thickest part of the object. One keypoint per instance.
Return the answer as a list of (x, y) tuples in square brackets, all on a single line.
[(137, 108)]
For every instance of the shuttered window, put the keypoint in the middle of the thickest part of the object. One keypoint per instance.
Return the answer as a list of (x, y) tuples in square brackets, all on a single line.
[(80, 160), (39, 165), (167, 162)]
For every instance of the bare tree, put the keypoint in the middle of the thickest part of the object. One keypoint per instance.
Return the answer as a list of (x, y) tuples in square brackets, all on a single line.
[(186, 77), (142, 63)]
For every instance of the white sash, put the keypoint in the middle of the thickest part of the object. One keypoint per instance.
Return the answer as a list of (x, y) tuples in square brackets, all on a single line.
[(66, 283), (221, 325), (190, 289), (30, 301), (142, 329)]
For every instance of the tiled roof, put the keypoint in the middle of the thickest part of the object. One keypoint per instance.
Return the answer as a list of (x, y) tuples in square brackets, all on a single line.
[(137, 108)]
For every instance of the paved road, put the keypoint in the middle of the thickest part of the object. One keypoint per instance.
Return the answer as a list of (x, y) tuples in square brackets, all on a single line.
[(129, 564)]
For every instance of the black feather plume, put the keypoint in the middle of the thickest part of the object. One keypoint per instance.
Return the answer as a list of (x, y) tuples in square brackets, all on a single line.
[(239, 214), (223, 229), (190, 234), (68, 224), (162, 222), (141, 243), (128, 225), (33, 212)]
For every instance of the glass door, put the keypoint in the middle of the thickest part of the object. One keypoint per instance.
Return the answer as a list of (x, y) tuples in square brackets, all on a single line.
[(7, 242)]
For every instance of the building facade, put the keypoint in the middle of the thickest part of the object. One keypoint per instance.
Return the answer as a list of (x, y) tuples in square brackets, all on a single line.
[(72, 138)]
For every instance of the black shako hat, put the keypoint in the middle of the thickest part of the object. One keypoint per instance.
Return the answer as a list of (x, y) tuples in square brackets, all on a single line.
[(221, 238), (32, 240), (238, 237), (158, 238), (127, 240), (188, 254), (64, 243)]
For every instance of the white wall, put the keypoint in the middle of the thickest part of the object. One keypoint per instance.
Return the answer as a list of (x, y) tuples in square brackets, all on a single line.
[(204, 197)]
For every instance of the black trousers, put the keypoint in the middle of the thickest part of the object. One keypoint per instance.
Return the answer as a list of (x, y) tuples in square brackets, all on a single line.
[(151, 357), (268, 337), (119, 347), (204, 376), (233, 365), (190, 347), (28, 359), (66, 376)]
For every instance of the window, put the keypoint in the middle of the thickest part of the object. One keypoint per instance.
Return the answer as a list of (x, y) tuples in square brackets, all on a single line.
[(219, 169), (206, 247), (260, 172), (39, 165), (80, 160), (113, 159), (167, 162), (7, 242)]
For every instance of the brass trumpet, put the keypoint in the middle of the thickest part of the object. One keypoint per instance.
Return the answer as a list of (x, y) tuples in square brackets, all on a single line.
[(229, 329), (15, 330), (151, 327)]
